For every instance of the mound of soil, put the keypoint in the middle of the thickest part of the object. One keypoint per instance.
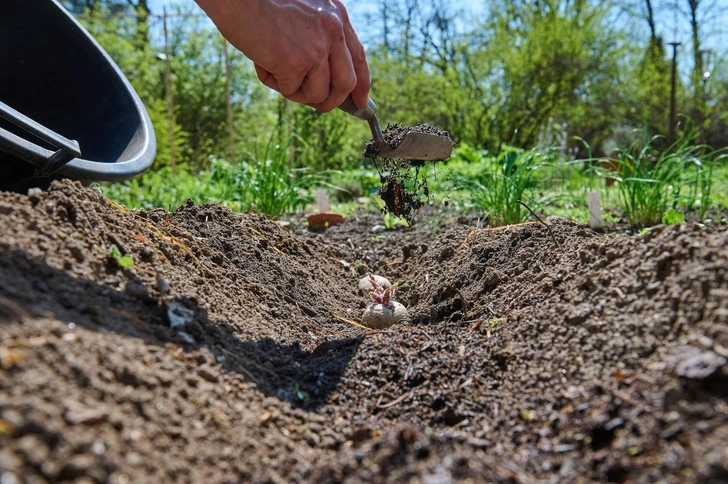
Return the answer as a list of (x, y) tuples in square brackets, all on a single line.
[(223, 355)]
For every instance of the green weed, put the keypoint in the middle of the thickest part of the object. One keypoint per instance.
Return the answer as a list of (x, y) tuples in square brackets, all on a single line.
[(673, 217), (122, 260), (650, 182), (500, 181), (263, 182)]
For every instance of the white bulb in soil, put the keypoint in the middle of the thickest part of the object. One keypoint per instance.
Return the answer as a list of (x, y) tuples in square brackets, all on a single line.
[(365, 284), (382, 316)]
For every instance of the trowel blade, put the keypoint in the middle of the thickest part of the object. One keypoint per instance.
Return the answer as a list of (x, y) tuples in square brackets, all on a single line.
[(421, 146)]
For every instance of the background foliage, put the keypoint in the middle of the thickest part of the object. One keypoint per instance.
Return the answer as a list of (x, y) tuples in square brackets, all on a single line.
[(574, 78)]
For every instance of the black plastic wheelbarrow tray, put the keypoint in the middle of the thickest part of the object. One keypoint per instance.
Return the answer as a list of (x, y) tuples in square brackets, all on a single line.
[(66, 110)]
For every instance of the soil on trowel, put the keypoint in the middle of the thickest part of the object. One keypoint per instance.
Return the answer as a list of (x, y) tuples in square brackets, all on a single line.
[(395, 133), (404, 188), (202, 345)]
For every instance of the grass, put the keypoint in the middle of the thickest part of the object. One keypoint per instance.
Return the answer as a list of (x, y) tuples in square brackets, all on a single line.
[(683, 178), (263, 182), (501, 180), (650, 181)]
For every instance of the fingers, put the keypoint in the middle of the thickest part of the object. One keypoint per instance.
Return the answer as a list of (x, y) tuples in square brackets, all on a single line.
[(266, 78), (333, 65), (315, 87), (360, 94), (343, 79)]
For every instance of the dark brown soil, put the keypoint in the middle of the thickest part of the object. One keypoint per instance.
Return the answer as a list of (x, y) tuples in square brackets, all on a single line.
[(577, 358)]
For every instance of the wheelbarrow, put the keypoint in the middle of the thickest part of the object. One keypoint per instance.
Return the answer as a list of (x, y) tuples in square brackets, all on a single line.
[(66, 110)]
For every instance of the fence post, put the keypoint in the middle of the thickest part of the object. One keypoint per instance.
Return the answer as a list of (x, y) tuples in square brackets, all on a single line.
[(170, 97), (231, 134)]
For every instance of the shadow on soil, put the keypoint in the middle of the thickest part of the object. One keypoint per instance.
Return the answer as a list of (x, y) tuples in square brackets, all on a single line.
[(29, 287)]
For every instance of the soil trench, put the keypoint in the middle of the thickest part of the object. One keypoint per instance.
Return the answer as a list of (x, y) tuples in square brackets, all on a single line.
[(207, 346)]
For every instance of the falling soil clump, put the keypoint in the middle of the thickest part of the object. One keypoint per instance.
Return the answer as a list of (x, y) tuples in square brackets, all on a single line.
[(403, 189)]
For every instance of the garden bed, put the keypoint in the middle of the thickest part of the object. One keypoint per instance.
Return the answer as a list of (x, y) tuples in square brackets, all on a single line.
[(531, 354)]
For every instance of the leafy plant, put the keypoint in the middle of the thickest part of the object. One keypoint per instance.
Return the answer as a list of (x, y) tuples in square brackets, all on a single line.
[(391, 222), (273, 188), (651, 181), (673, 217), (122, 260), (504, 179), (263, 183)]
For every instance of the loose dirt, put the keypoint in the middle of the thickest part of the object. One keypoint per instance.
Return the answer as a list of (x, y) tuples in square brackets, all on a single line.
[(584, 358), (394, 134), (404, 188)]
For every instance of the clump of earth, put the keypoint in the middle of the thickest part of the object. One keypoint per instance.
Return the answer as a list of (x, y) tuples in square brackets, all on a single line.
[(223, 354), (404, 189)]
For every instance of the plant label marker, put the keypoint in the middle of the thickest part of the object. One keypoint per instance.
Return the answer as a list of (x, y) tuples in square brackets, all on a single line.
[(322, 201), (595, 210)]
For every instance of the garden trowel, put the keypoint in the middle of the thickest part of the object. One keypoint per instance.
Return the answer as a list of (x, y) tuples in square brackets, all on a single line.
[(413, 146)]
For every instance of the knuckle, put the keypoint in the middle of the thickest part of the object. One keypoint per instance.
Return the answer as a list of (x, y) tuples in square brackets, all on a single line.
[(332, 25), (317, 98), (298, 66), (349, 84)]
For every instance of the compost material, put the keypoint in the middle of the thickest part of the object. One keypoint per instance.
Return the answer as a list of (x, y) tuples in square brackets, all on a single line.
[(223, 355)]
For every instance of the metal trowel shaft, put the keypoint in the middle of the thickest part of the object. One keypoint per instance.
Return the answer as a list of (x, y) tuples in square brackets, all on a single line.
[(368, 114)]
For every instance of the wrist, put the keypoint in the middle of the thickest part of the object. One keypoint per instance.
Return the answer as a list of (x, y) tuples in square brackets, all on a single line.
[(229, 15)]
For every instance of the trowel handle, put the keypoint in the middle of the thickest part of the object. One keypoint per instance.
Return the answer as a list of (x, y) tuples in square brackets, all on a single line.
[(348, 106)]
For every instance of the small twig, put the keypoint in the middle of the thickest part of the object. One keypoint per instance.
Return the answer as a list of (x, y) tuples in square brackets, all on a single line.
[(128, 316), (462, 299), (395, 402), (548, 227), (351, 322), (468, 237)]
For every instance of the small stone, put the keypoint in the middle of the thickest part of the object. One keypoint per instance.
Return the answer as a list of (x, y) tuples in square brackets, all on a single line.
[(178, 315), (186, 337), (700, 366), (77, 414), (162, 285)]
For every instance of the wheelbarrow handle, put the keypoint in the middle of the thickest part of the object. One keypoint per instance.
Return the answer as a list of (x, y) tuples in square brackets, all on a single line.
[(366, 114), (12, 144)]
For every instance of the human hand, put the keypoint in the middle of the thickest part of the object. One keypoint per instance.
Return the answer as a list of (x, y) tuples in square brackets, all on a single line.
[(305, 49)]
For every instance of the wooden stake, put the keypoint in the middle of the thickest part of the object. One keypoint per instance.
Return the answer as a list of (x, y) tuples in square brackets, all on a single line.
[(595, 210), (322, 200)]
